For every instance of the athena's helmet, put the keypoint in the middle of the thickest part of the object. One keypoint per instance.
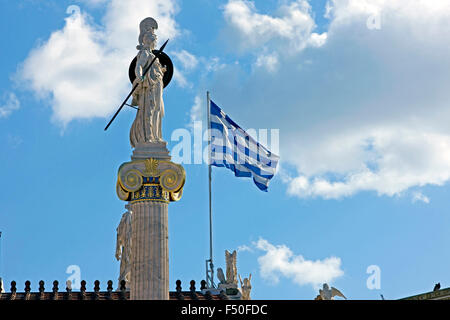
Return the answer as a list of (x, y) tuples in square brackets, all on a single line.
[(147, 25)]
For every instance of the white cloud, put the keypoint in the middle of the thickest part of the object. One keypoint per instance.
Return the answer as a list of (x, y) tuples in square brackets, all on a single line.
[(289, 29), (180, 78), (82, 69), (429, 12), (213, 64), (317, 40), (187, 59), (401, 159), (244, 248), (418, 196), (209, 65), (196, 110), (188, 63), (281, 261), (11, 104), (269, 61), (367, 110), (292, 24), (93, 3)]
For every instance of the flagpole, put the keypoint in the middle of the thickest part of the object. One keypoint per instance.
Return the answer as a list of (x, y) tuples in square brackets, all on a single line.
[(210, 271), (2, 289)]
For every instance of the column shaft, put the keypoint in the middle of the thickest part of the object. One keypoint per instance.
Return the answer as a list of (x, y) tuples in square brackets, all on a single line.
[(150, 251)]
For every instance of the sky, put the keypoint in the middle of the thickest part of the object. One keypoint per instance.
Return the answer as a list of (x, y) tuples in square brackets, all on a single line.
[(355, 91)]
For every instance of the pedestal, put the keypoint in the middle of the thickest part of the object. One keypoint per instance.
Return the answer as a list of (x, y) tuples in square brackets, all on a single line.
[(156, 150), (149, 184)]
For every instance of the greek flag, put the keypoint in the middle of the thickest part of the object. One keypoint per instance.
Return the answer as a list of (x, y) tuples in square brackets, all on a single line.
[(233, 148)]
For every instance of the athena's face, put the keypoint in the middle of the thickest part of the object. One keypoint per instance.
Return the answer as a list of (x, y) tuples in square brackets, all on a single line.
[(150, 40)]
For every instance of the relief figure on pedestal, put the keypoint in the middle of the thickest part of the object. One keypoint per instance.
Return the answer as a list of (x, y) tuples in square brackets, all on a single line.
[(123, 247)]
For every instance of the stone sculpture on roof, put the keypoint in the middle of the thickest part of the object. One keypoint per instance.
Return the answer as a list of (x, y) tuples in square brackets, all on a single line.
[(231, 267), (246, 287), (329, 294)]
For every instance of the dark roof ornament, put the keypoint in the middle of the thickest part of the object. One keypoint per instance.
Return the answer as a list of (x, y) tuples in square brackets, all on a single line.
[(192, 291), (27, 286), (123, 289), (83, 290), (96, 286), (83, 285), (27, 289), (96, 289), (109, 289), (55, 290), (203, 285), (41, 286), (13, 290), (69, 286), (69, 290), (110, 286), (55, 286), (41, 290), (123, 286), (178, 289)]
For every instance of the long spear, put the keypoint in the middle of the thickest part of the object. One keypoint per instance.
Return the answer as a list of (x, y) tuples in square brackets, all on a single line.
[(136, 85)]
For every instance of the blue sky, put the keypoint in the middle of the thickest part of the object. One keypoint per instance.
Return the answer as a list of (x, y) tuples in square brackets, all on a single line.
[(358, 91)]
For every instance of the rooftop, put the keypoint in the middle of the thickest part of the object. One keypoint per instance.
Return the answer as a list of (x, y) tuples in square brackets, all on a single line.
[(109, 294), (442, 294)]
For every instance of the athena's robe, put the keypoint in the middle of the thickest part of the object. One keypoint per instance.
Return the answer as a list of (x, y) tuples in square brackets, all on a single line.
[(148, 96)]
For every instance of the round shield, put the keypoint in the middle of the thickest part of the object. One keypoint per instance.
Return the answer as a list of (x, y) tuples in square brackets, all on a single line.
[(163, 59)]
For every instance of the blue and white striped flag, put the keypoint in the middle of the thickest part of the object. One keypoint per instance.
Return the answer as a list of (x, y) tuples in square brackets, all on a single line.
[(233, 148)]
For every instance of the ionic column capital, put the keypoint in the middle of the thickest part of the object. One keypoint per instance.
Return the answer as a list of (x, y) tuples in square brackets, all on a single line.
[(150, 180)]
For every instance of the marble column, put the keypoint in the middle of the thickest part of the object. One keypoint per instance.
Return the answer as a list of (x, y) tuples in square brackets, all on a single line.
[(149, 185), (150, 251)]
